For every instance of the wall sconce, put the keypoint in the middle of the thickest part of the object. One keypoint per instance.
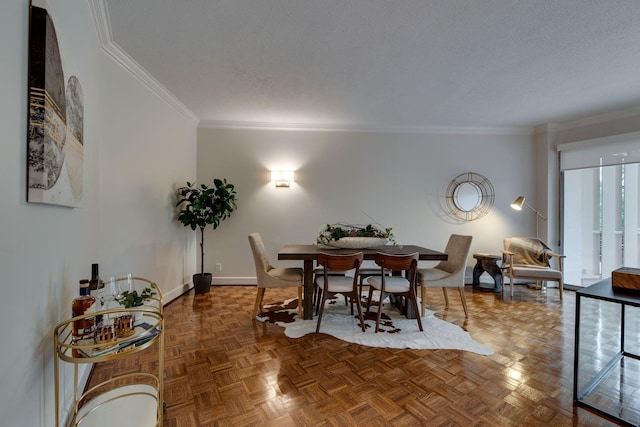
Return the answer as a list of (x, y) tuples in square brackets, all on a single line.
[(282, 178), (517, 205)]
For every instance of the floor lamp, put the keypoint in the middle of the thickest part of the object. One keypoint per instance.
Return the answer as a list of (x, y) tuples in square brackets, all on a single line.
[(517, 205)]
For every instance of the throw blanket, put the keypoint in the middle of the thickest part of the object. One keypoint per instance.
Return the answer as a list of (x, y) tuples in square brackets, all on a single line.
[(528, 251)]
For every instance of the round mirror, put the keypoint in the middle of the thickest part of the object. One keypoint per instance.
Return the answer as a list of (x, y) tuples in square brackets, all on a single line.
[(467, 196)]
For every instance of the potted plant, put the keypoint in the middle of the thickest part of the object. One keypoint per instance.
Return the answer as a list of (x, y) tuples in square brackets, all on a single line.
[(202, 206)]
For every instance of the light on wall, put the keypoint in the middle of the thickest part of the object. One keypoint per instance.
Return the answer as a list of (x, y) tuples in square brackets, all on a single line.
[(282, 178), (517, 205)]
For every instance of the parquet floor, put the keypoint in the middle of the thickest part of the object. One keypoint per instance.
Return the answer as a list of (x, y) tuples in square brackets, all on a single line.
[(224, 369)]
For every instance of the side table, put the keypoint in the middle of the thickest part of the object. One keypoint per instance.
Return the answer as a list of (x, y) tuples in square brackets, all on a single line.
[(606, 357), (487, 263)]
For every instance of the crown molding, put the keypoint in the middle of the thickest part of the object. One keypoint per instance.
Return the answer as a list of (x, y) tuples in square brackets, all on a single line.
[(108, 46), (232, 124), (598, 118)]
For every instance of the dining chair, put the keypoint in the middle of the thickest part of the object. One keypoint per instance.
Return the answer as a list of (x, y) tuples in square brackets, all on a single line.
[(368, 270), (318, 271), (268, 276), (449, 273), (331, 283), (397, 285), (530, 258)]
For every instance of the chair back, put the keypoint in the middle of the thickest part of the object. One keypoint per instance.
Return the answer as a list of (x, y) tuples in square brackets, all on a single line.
[(457, 251), (259, 258), (335, 262), (408, 263)]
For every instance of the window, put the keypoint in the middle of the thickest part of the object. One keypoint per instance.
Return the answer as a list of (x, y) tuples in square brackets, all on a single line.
[(600, 215)]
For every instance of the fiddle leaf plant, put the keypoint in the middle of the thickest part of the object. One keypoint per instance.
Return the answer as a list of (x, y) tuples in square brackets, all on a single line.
[(205, 205)]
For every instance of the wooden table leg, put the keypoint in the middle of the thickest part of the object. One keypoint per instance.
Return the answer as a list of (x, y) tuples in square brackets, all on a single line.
[(308, 290)]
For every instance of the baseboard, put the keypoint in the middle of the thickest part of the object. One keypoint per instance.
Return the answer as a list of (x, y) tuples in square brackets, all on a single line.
[(233, 281), (176, 292)]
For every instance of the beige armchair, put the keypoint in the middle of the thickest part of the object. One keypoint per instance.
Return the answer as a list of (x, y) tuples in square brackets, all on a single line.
[(270, 277), (449, 273), (530, 258)]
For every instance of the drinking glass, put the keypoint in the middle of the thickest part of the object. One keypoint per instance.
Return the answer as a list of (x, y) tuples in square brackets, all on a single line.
[(125, 283)]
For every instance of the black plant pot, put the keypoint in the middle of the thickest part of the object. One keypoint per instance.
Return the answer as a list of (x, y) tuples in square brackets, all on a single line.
[(202, 283)]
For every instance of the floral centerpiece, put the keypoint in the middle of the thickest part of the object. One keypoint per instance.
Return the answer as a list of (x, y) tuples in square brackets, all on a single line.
[(354, 236)]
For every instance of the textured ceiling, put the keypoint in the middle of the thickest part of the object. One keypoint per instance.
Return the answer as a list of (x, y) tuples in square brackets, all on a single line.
[(381, 64)]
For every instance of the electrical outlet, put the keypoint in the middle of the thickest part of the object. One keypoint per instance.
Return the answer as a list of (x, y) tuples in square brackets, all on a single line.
[(218, 267)]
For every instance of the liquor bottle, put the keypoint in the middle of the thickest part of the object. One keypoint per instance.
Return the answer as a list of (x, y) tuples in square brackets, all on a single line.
[(95, 283), (95, 287), (81, 305)]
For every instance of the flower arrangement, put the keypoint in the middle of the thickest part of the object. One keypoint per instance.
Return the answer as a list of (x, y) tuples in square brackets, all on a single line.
[(334, 232)]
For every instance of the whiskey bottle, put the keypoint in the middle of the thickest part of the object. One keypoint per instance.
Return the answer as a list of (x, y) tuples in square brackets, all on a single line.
[(95, 287), (95, 283), (80, 305)]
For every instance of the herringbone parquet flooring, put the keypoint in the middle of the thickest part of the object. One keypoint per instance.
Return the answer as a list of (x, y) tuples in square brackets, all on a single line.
[(224, 369)]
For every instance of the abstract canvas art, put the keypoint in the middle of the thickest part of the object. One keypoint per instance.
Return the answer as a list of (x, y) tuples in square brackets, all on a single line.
[(55, 119)]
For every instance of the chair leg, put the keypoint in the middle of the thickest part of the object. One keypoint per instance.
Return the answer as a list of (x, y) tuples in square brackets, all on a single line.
[(412, 297), (258, 305), (560, 288), (446, 298), (299, 302), (318, 294), (423, 298), (369, 299), (359, 307), (511, 283), (464, 303), (322, 302), (379, 311)]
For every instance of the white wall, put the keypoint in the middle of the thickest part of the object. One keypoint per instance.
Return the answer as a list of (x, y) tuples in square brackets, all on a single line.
[(136, 149), (398, 179)]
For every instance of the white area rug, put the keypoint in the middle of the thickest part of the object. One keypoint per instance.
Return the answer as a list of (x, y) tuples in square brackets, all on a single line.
[(396, 331)]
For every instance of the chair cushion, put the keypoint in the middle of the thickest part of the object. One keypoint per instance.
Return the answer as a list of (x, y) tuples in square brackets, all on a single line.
[(536, 273), (336, 283), (393, 284), (286, 274)]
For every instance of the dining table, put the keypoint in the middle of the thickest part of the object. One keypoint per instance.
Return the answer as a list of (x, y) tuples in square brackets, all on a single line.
[(309, 255)]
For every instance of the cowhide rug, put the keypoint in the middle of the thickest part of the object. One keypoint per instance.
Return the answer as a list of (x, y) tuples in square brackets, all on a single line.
[(396, 331)]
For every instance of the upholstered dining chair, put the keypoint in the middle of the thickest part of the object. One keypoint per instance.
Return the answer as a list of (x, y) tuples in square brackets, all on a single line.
[(402, 286), (269, 276), (449, 273), (530, 258), (330, 283)]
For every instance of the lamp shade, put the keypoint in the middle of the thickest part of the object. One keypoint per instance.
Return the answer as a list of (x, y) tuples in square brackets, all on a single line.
[(517, 203)]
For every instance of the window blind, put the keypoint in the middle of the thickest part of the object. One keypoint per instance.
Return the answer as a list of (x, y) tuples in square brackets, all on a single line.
[(607, 151)]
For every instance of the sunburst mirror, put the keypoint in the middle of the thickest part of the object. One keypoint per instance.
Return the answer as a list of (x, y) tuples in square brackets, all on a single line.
[(469, 196)]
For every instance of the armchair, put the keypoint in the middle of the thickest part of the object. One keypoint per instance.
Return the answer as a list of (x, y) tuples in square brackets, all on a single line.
[(530, 258)]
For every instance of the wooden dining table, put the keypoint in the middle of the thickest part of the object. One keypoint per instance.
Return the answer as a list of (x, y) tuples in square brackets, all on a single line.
[(309, 255)]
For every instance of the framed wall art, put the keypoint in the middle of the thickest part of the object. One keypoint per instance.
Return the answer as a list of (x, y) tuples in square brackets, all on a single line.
[(55, 118)]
